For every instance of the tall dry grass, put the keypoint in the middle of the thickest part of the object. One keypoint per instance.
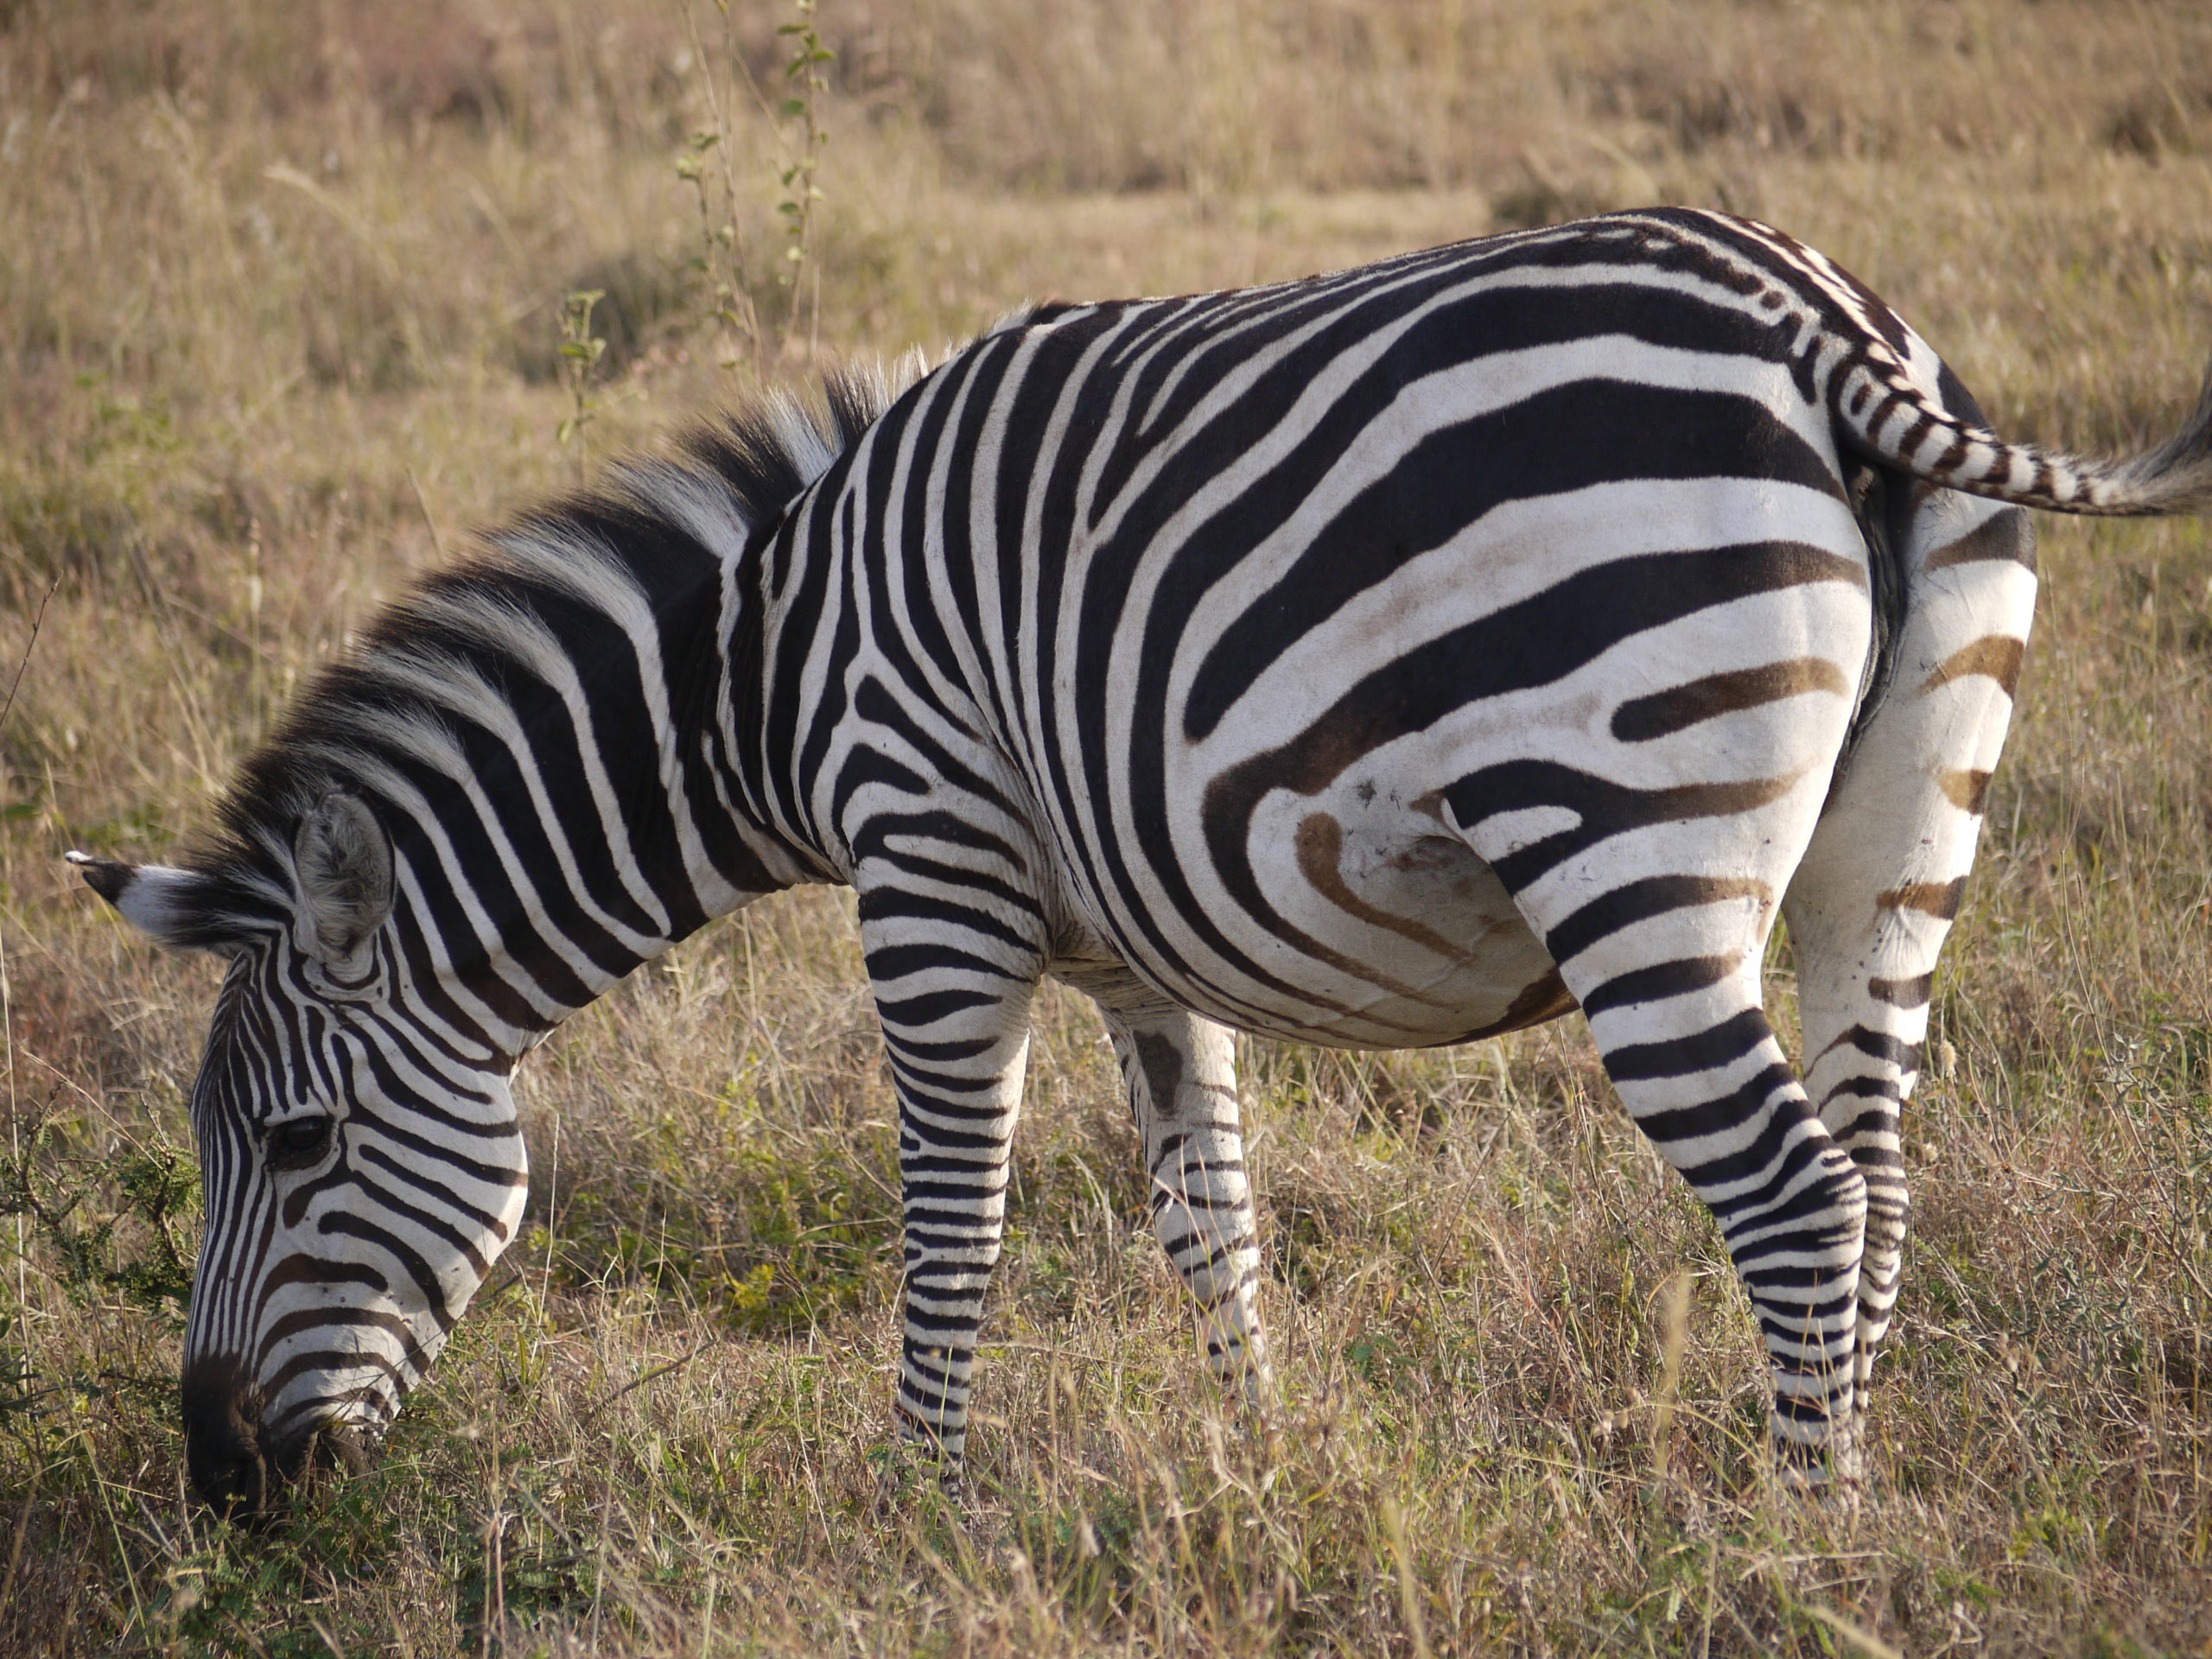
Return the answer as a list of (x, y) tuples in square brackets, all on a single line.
[(280, 299)]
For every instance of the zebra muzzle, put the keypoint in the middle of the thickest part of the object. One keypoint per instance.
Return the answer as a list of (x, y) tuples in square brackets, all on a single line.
[(223, 1452), (238, 1466)]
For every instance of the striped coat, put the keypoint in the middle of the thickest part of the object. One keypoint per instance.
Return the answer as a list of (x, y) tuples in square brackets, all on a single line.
[(1385, 659)]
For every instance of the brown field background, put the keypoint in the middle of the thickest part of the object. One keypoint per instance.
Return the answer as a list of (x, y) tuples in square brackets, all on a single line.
[(281, 296)]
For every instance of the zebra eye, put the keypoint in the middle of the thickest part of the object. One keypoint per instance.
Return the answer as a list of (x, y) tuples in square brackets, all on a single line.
[(299, 1143)]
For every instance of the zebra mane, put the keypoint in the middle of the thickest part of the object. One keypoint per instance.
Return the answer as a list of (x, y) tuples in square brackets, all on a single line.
[(477, 635)]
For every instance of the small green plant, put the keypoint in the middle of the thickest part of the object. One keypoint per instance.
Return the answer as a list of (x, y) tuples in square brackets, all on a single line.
[(709, 165), (113, 1227), (158, 1189), (721, 264), (803, 81), (18, 1392), (580, 350)]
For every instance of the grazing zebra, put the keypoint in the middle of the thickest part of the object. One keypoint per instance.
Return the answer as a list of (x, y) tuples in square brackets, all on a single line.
[(1384, 659)]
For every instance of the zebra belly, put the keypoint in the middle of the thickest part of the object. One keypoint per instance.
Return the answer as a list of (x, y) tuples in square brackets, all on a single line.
[(1413, 941), (1399, 937)]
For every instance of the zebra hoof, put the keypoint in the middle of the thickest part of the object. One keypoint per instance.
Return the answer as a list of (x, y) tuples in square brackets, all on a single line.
[(906, 1474), (1833, 1476)]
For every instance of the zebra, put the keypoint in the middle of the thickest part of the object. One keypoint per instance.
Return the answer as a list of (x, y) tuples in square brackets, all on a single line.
[(1382, 659)]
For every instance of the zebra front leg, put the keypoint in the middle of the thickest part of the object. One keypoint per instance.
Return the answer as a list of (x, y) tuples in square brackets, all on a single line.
[(1870, 904), (953, 1000), (1181, 1071)]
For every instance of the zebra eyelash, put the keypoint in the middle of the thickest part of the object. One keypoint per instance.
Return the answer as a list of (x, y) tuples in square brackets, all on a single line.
[(299, 1143)]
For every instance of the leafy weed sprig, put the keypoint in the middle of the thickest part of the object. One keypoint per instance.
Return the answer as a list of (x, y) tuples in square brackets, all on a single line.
[(722, 264), (803, 81), (580, 350)]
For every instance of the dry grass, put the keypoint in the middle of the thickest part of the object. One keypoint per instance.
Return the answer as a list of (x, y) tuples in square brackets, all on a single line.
[(280, 290)]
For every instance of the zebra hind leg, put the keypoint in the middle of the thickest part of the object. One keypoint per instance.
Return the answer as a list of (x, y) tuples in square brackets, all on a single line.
[(1181, 1073), (1658, 930), (1704, 1076), (1869, 905)]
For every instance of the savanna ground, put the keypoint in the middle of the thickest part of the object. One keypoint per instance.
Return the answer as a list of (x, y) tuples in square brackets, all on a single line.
[(283, 290)]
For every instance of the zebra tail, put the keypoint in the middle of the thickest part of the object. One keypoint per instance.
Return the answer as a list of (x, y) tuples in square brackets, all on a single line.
[(1891, 420)]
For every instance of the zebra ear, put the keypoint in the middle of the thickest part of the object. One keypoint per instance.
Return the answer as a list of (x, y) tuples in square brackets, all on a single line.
[(169, 906), (343, 860)]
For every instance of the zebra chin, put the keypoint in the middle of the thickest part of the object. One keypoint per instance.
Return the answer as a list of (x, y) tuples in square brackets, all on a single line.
[(242, 1462)]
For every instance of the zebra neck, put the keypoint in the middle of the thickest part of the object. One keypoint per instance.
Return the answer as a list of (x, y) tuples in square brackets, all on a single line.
[(594, 816)]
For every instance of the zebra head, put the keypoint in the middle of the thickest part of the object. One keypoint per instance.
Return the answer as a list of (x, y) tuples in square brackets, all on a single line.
[(360, 1158)]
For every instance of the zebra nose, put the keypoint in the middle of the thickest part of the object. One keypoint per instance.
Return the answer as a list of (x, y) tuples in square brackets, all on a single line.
[(222, 1439)]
